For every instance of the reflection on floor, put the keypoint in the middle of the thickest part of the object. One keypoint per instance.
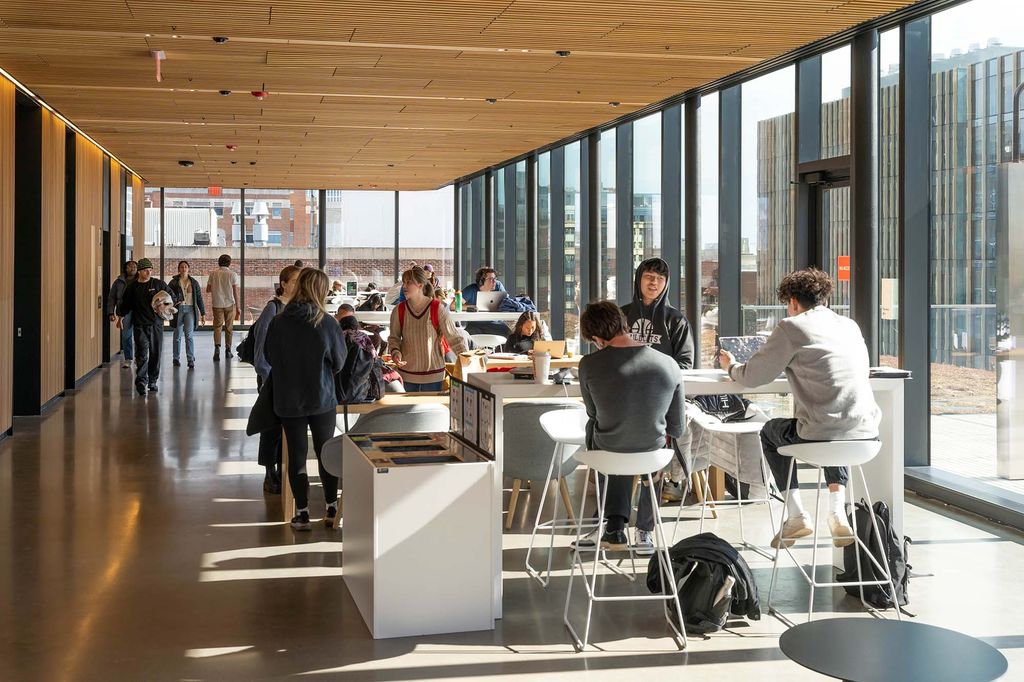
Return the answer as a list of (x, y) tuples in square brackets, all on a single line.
[(140, 547)]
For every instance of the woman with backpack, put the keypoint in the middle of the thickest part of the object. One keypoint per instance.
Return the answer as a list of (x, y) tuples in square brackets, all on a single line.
[(270, 440), (421, 333), (305, 349)]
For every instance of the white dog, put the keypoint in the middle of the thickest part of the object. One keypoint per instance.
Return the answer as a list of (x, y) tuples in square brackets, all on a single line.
[(163, 306)]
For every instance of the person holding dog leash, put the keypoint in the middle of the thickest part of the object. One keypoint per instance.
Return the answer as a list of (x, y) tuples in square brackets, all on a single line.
[(147, 327)]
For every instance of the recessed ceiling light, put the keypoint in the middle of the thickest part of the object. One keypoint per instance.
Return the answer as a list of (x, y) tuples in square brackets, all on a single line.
[(519, 50), (149, 35), (614, 104), (490, 100), (500, 49), (175, 36)]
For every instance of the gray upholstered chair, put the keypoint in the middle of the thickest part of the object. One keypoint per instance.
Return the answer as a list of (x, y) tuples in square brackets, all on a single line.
[(528, 449)]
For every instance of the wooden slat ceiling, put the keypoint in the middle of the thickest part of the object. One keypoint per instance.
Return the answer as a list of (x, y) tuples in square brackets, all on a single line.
[(389, 93)]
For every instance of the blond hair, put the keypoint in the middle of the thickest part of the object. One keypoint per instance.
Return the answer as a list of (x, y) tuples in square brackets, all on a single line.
[(312, 289), (417, 275)]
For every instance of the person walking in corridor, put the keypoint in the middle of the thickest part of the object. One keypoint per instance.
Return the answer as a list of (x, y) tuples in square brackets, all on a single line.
[(128, 272), (222, 285), (147, 327), (188, 298)]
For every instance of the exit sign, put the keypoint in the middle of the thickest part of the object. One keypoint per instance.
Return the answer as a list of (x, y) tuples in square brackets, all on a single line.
[(843, 268), (214, 191)]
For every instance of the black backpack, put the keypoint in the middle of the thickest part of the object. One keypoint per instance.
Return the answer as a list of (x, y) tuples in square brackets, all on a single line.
[(246, 350), (361, 379), (895, 557), (705, 598)]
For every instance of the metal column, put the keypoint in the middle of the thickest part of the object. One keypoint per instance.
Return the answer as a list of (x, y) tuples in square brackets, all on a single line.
[(590, 187), (729, 197), (531, 229), (624, 213), (321, 241), (557, 203), (671, 200), (691, 219)]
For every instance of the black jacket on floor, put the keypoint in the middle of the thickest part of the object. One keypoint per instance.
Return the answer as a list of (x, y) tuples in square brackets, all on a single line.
[(710, 548)]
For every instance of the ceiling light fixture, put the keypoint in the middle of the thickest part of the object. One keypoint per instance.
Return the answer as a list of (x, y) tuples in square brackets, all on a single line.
[(259, 94), (231, 148), (175, 36), (224, 93), (149, 35), (186, 163), (524, 50), (502, 49), (614, 104), (220, 40), (490, 100), (562, 53)]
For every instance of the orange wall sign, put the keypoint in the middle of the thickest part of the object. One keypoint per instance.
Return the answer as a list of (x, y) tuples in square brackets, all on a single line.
[(843, 268)]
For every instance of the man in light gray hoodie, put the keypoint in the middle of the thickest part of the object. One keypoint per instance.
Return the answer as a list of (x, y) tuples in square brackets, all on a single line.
[(826, 361)]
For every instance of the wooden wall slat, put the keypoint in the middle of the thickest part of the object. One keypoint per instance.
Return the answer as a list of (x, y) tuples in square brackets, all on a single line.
[(6, 253), (116, 209), (89, 260), (53, 291)]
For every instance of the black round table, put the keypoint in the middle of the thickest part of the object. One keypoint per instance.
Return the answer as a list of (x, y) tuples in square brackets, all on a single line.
[(871, 650)]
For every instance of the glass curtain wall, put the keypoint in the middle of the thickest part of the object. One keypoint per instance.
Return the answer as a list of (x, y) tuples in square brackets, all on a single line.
[(889, 197), (199, 227), (606, 237), (361, 237), (498, 193), (426, 232), (708, 136), (835, 141), (280, 228), (544, 236), (976, 286), (767, 196), (573, 256), (647, 193), (520, 279)]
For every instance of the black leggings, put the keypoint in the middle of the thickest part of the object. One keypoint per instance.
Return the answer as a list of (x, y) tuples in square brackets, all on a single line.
[(322, 426)]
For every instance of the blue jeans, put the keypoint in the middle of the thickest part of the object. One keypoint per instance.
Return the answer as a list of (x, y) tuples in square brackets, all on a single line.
[(422, 388), (186, 322), (127, 344)]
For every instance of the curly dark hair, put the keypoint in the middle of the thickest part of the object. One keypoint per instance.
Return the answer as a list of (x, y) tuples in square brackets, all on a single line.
[(602, 320), (810, 287)]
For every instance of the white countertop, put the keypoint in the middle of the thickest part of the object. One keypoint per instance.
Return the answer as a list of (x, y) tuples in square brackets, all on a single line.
[(384, 316)]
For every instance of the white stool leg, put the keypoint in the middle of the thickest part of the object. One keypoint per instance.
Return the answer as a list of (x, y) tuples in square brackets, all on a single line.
[(739, 494), (665, 566), (537, 523), (679, 512), (781, 542), (577, 559), (878, 537), (814, 547)]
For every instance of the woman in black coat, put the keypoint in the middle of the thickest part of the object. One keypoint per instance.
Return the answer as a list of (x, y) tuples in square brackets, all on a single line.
[(188, 299), (305, 349)]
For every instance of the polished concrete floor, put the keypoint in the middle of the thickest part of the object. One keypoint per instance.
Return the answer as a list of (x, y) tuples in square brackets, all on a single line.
[(139, 546)]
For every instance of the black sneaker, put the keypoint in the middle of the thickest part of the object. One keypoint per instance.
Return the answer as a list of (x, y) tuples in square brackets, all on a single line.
[(614, 541), (216, 353), (331, 516), (177, 363), (141, 388), (228, 354), (152, 388), (191, 365), (301, 521), (271, 483)]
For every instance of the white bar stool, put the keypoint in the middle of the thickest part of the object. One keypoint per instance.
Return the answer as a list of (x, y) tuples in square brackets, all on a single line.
[(491, 341), (837, 453), (713, 425), (568, 428), (622, 464)]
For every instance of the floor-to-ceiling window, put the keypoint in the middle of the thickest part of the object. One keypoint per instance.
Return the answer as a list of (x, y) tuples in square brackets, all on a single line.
[(606, 235), (426, 232), (767, 196), (573, 255), (200, 225), (152, 241), (646, 231), (976, 283), (889, 197), (708, 135), (544, 236), (361, 237), (835, 201), (499, 199), (521, 269), (280, 228)]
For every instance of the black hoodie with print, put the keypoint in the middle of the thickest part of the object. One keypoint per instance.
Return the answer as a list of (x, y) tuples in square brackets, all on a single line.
[(659, 325)]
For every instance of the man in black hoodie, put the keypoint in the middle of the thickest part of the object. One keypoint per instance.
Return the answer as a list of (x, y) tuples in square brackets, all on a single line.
[(652, 320), (147, 328)]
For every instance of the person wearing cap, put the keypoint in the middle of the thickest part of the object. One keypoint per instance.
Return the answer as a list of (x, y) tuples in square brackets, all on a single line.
[(147, 328)]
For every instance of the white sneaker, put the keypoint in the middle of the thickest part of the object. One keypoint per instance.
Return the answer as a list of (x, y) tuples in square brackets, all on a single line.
[(794, 527), (842, 534), (644, 543)]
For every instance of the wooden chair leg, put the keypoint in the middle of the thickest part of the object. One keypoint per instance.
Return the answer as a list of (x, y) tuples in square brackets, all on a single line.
[(564, 490), (711, 494), (516, 484), (697, 480)]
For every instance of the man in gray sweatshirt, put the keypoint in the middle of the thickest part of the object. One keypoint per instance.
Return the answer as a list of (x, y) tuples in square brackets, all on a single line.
[(634, 398), (826, 361)]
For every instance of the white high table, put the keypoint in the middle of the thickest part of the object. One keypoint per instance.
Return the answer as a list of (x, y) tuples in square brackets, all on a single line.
[(884, 474), (384, 316)]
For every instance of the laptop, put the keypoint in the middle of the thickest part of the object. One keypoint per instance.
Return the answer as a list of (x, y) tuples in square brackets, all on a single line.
[(742, 347), (555, 348), (488, 301)]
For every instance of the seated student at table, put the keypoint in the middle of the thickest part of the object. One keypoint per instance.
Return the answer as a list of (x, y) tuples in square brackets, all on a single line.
[(485, 279), (344, 310), (418, 326), (354, 334), (826, 361), (529, 328), (634, 399)]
